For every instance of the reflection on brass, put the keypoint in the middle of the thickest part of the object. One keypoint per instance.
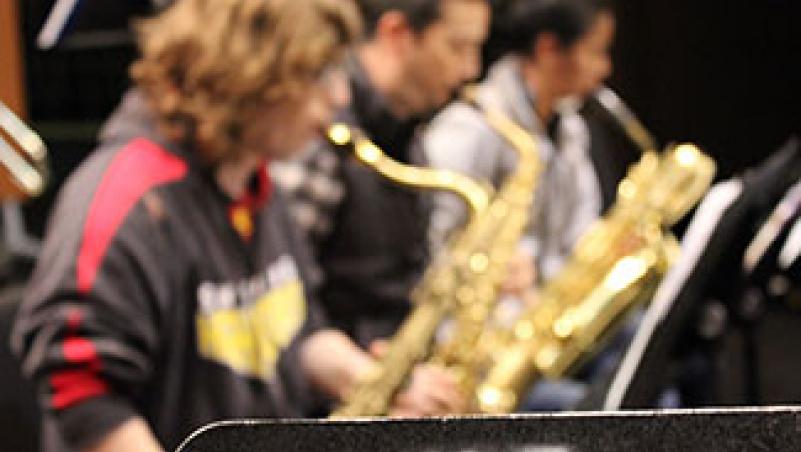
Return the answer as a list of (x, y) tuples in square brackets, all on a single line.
[(353, 140), (615, 265), (23, 158), (462, 280), (496, 241), (434, 296)]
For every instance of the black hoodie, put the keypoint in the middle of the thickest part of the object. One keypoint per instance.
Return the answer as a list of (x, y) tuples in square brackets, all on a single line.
[(157, 295)]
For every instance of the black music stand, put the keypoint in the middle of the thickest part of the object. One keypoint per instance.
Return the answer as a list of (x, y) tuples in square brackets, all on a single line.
[(712, 430)]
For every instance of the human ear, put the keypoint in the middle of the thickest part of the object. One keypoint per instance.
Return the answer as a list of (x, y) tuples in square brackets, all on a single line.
[(545, 47), (394, 32)]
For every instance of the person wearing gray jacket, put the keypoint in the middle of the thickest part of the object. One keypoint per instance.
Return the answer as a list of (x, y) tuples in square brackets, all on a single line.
[(558, 51)]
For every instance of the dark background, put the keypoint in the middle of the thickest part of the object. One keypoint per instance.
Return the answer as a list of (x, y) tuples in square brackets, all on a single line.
[(723, 73)]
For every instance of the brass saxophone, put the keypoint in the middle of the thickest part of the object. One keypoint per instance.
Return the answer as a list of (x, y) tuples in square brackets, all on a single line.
[(23, 158), (431, 298), (615, 265), (508, 218), (463, 278)]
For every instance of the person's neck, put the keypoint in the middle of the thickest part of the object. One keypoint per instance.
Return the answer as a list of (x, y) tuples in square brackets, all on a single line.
[(538, 84), (233, 176), (383, 77)]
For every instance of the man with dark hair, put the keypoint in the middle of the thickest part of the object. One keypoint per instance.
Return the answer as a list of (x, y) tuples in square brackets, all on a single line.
[(369, 233), (553, 51), (172, 290), (418, 13)]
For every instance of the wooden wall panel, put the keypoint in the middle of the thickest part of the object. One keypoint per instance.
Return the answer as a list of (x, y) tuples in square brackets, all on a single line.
[(12, 91)]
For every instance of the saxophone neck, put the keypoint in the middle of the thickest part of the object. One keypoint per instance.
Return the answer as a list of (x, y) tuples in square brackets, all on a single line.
[(520, 140), (623, 116), (355, 142)]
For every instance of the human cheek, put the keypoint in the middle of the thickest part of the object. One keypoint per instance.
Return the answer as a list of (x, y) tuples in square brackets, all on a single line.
[(294, 130), (606, 67), (454, 73), (434, 75), (311, 122), (590, 73)]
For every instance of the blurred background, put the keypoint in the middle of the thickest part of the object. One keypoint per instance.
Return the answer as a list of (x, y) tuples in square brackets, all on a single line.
[(725, 74)]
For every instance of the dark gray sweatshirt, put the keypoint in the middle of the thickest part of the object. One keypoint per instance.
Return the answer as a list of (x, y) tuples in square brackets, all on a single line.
[(157, 295)]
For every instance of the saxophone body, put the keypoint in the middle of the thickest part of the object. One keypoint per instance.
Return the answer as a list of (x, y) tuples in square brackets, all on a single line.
[(499, 237), (433, 298), (617, 264), (463, 279)]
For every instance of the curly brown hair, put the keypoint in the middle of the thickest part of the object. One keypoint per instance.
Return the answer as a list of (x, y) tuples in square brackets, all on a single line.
[(205, 63)]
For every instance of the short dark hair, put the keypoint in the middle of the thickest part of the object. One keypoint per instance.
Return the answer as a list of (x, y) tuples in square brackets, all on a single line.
[(419, 13), (520, 22)]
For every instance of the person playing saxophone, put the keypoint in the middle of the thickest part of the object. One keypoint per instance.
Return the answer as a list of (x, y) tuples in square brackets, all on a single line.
[(554, 51), (172, 289), (368, 233)]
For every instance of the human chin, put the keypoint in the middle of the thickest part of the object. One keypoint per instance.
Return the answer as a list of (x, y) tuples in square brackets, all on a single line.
[(283, 152), (440, 98), (295, 144)]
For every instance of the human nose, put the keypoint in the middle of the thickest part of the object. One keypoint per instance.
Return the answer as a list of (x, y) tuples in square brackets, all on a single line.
[(337, 89), (606, 67)]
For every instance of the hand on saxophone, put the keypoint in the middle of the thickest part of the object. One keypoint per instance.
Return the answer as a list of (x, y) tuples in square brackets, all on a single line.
[(431, 391)]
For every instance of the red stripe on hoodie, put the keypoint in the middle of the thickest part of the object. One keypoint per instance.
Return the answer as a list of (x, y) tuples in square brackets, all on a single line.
[(136, 169)]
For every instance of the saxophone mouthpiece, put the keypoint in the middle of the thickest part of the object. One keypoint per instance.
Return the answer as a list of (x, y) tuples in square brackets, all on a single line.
[(352, 140), (469, 94), (339, 134)]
